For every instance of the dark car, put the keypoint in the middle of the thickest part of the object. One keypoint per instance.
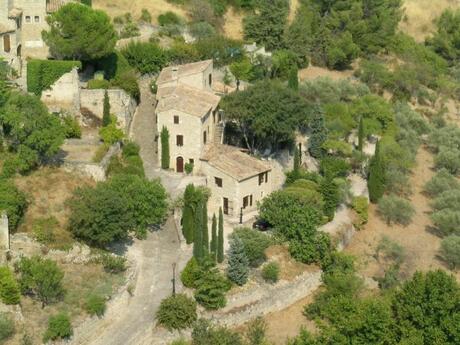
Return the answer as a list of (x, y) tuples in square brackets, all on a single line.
[(261, 224)]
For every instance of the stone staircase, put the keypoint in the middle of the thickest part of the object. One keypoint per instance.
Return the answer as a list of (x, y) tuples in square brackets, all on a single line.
[(219, 133)]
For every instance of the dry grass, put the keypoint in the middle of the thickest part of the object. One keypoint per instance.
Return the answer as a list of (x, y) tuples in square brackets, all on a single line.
[(48, 189), (79, 281), (313, 72), (289, 268), (420, 15)]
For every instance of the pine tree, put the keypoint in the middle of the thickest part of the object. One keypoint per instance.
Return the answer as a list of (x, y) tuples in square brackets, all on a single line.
[(188, 220), (106, 110), (220, 237), (293, 81), (198, 236), (318, 133), (376, 180), (330, 194), (164, 148), (360, 135), (296, 159), (214, 237), (238, 263), (204, 226)]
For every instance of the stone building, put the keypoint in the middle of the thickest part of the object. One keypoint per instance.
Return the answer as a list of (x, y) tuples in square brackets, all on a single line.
[(21, 25), (188, 107)]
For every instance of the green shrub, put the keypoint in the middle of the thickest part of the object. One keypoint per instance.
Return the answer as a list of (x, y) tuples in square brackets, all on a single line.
[(44, 229), (238, 263), (449, 199), (95, 305), (390, 250), (9, 288), (6, 327), (146, 17), (191, 273), (13, 201), (146, 57), (334, 167), (188, 168), (441, 182), (41, 74), (71, 127), (255, 243), (270, 272), (111, 134), (205, 333), (113, 263), (177, 312), (450, 250), (98, 84), (100, 153), (180, 341), (360, 205), (59, 327), (211, 289), (447, 221), (449, 159), (394, 209), (130, 148), (169, 18)]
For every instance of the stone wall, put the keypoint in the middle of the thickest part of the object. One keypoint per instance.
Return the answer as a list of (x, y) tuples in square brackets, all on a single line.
[(64, 94), (93, 169), (4, 236), (122, 105)]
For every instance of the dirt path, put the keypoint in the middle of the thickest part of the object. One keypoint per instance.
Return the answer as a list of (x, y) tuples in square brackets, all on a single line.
[(421, 246)]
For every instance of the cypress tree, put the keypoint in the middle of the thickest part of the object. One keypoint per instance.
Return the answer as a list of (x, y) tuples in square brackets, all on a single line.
[(376, 180), (296, 159), (293, 81), (360, 135), (330, 194), (188, 221), (318, 133), (205, 238), (214, 237), (198, 237), (238, 263), (106, 110), (220, 237), (164, 148)]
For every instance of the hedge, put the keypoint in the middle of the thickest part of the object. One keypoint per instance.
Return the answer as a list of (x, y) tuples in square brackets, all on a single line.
[(41, 74)]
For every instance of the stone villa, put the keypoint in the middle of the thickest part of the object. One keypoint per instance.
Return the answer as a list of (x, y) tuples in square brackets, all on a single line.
[(189, 109), (21, 25)]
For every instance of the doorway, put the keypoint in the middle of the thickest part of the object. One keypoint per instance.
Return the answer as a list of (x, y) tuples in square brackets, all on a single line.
[(180, 164)]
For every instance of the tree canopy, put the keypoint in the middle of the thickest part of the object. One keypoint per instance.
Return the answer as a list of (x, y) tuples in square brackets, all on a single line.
[(78, 32)]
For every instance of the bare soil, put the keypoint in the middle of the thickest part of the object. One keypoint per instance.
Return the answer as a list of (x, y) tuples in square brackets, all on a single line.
[(421, 246), (313, 72)]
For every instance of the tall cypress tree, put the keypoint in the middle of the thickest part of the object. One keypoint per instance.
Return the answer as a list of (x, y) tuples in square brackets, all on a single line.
[(205, 239), (164, 148), (198, 237), (220, 237), (360, 134), (330, 194), (318, 133), (296, 159), (214, 237), (106, 110), (188, 220), (293, 81), (376, 180)]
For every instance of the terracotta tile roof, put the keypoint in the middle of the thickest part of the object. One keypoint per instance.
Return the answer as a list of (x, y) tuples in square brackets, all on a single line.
[(54, 5), (186, 99), (233, 162), (172, 73)]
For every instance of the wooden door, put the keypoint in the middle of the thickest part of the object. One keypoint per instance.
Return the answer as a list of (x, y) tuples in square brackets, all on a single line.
[(6, 43), (180, 164)]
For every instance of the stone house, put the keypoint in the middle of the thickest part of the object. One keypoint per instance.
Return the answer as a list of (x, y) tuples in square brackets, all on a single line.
[(21, 25), (237, 180), (188, 108)]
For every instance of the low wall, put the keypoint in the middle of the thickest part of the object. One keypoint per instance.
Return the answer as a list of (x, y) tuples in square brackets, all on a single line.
[(64, 94), (92, 169), (122, 105)]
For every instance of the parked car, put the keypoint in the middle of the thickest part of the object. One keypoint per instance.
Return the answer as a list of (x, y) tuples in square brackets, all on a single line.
[(261, 224)]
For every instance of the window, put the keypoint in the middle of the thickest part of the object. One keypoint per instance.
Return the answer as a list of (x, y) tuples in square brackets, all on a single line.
[(246, 201), (225, 206), (218, 181), (210, 79), (176, 119), (250, 200), (6, 44), (27, 19), (266, 177), (179, 140), (204, 137), (261, 178), (37, 19), (191, 161)]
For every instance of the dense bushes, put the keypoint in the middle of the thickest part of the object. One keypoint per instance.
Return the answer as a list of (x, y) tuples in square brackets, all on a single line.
[(204, 333), (270, 272), (255, 243), (9, 288), (13, 202), (41, 74), (177, 312), (441, 182), (394, 209), (145, 57), (113, 263), (450, 250), (6, 327), (95, 305), (211, 289), (126, 203), (59, 327)]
